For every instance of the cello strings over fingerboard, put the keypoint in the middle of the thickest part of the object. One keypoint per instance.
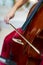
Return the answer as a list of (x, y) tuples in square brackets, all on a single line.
[(32, 15)]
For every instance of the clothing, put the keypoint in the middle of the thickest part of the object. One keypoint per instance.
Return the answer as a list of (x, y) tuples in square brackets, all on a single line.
[(17, 49), (41, 62)]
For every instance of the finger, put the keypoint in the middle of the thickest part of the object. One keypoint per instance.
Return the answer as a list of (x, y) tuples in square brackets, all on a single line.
[(6, 19)]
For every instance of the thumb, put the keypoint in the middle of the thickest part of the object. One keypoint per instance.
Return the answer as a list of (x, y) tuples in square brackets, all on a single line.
[(6, 19)]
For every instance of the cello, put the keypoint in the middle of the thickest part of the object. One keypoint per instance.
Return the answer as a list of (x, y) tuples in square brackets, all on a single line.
[(33, 32)]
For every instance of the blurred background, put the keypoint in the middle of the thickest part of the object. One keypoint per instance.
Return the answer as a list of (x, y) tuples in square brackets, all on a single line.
[(18, 20)]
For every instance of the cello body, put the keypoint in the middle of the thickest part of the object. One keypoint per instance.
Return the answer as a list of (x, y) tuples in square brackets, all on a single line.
[(34, 34)]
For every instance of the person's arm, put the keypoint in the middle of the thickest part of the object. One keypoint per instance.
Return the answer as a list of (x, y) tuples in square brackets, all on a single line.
[(18, 4), (13, 10)]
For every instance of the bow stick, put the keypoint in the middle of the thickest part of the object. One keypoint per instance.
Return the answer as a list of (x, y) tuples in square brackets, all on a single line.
[(25, 39)]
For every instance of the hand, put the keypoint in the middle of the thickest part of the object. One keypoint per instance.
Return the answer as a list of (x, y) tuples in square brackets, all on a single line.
[(9, 16), (6, 19)]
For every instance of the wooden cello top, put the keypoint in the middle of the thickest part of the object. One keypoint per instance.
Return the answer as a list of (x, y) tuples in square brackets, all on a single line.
[(33, 29)]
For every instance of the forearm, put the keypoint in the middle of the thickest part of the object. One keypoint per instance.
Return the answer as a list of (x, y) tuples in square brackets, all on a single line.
[(13, 10), (18, 4)]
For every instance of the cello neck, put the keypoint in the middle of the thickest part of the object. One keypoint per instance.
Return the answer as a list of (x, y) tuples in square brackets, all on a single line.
[(31, 15)]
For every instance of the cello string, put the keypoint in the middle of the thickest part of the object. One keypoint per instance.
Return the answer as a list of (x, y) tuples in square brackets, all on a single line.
[(32, 14), (25, 39)]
